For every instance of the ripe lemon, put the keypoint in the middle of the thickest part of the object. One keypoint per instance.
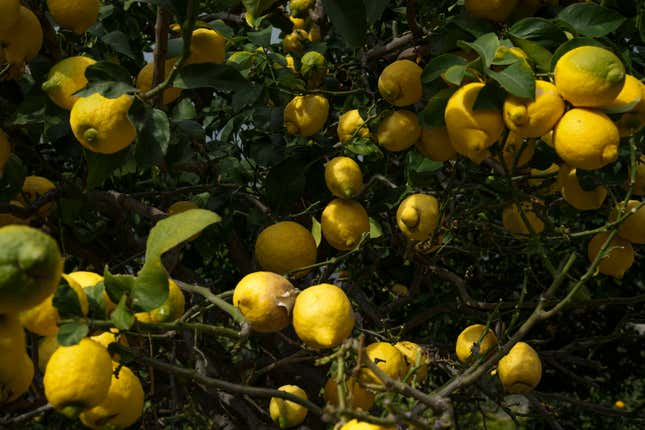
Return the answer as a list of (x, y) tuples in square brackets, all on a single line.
[(387, 358), (589, 76), (22, 41), (494, 10), (46, 347), (9, 14), (520, 370), (101, 124), (12, 336), (123, 405), (400, 83), (435, 143), (357, 396), (313, 67), (314, 33), (207, 46), (30, 267), (513, 145), (639, 185), (514, 223), (573, 193), (343, 223), (586, 139), (414, 356), (266, 300), (472, 131), (16, 373), (76, 15), (306, 115), (469, 337), (398, 131), (299, 8), (554, 186), (533, 118), (632, 122), (619, 258), (145, 79), (293, 42), (633, 227), (351, 124), (33, 188), (5, 150), (285, 246), (628, 98), (285, 412), (363, 425), (171, 310), (90, 279), (43, 318), (322, 316), (298, 23), (109, 337), (78, 377), (418, 216), (65, 78), (343, 177)]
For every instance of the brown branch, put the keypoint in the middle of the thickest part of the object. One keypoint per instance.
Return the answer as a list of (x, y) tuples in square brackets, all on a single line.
[(411, 14), (395, 44), (599, 409), (161, 48)]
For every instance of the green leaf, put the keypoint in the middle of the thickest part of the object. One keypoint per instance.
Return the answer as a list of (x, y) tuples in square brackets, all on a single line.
[(349, 19), (591, 20), (117, 286), (539, 30), (218, 76), (538, 54), (485, 46), (12, 178), (118, 41), (316, 230), (518, 79), (262, 37), (153, 133), (257, 7), (490, 97), (184, 110), (473, 26), (374, 9), (66, 301), (108, 89), (246, 97), (285, 183), (71, 333), (121, 316), (106, 71), (376, 230), (572, 44), (96, 300), (101, 166), (438, 65), (454, 74), (420, 169), (151, 285), (365, 147), (433, 114)]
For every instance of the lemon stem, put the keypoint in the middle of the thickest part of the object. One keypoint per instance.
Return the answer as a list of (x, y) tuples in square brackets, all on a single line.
[(91, 135), (410, 217)]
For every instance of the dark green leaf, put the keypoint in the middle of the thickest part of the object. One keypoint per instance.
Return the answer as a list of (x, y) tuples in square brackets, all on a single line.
[(71, 333), (262, 37), (518, 79), (117, 286), (101, 166), (348, 18), (433, 114), (485, 46), (539, 30), (122, 317), (538, 54), (454, 74), (12, 178), (374, 9), (153, 133), (218, 76), (473, 26), (120, 43), (66, 301), (106, 71), (96, 300), (572, 44), (109, 89), (184, 110), (285, 183), (419, 168), (438, 65), (246, 96), (365, 147), (591, 20), (490, 97)]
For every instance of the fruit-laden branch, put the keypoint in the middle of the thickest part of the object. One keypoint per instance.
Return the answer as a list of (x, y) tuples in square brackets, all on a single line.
[(217, 301), (218, 384), (161, 48), (142, 327)]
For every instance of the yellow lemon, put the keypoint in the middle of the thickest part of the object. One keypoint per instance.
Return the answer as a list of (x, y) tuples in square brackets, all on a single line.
[(43, 318), (313, 67), (512, 147), (357, 396), (554, 186), (9, 14), (90, 279), (285, 246), (589, 76), (5, 150), (435, 143), (266, 300), (293, 42), (387, 358), (343, 177), (314, 33), (306, 115), (16, 373), (109, 337), (22, 41), (76, 15), (363, 425), (414, 357), (12, 335), (467, 340), (632, 122), (298, 23), (398, 131), (207, 46), (619, 258), (514, 223), (633, 227), (123, 405), (575, 195), (628, 98), (78, 377), (534, 118), (30, 267), (323, 316), (639, 185), (400, 83), (586, 139), (101, 124), (520, 370), (400, 290), (494, 10), (33, 188), (351, 124), (287, 413), (472, 131), (145, 79), (299, 8), (65, 78), (343, 223), (171, 310), (418, 216), (46, 347)]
